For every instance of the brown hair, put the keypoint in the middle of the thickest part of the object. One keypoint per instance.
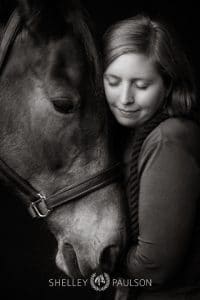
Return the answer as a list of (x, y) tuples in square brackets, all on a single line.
[(140, 34)]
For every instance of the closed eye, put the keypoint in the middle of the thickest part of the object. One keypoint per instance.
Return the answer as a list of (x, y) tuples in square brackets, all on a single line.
[(112, 80), (113, 84), (142, 84), (142, 87)]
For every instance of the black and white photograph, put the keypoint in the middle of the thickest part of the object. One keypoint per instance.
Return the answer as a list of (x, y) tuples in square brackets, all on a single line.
[(99, 150)]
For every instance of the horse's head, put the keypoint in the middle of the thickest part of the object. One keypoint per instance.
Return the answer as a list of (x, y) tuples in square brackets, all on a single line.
[(53, 132)]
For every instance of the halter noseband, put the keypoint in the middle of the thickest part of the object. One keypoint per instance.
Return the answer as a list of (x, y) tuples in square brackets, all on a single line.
[(37, 203)]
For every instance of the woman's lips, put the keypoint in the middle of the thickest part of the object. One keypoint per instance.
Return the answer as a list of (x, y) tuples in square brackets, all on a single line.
[(127, 113)]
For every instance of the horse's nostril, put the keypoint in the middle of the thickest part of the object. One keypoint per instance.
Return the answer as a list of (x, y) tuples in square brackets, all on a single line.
[(109, 257), (68, 247), (71, 261)]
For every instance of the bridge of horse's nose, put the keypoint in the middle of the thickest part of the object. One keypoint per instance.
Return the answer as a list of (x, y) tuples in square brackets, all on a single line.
[(108, 258)]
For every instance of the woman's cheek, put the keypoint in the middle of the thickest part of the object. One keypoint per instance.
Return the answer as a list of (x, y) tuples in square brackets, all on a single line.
[(111, 96)]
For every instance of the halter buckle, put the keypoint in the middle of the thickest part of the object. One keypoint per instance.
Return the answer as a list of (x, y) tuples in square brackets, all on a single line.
[(38, 208)]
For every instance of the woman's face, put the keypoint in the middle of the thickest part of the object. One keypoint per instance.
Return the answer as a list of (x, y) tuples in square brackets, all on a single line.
[(134, 89)]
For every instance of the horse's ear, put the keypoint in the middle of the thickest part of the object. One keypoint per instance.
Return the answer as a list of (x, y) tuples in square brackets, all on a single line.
[(6, 8), (28, 8), (49, 12)]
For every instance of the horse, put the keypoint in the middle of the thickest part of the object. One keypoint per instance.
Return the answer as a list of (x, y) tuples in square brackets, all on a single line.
[(56, 151)]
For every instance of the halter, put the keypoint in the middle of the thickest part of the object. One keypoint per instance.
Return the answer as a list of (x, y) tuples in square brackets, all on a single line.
[(37, 203)]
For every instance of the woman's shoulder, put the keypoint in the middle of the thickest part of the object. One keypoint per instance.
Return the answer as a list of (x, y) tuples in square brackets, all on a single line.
[(178, 128), (174, 138), (179, 131), (170, 135)]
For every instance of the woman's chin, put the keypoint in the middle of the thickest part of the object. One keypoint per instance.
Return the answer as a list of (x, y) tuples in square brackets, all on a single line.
[(127, 122)]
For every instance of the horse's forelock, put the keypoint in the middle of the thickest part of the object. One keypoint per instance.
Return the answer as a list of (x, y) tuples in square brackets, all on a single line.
[(48, 15), (51, 19), (28, 7)]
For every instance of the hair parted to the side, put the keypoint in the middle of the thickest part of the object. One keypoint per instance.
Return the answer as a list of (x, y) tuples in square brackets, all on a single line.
[(141, 34)]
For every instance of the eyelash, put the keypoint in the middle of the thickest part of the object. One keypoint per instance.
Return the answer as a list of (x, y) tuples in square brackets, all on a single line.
[(142, 87), (116, 83), (113, 84)]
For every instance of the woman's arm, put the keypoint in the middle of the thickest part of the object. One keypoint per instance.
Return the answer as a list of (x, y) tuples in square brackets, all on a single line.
[(169, 189)]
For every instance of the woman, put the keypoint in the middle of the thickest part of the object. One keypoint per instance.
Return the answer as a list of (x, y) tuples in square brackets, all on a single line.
[(150, 90)]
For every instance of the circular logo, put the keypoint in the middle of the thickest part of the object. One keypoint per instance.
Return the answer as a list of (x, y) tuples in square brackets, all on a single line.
[(100, 282)]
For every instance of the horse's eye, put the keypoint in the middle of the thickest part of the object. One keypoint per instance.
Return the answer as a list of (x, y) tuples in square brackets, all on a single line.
[(64, 106)]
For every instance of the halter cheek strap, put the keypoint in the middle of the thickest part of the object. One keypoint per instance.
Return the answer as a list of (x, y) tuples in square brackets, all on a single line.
[(40, 206)]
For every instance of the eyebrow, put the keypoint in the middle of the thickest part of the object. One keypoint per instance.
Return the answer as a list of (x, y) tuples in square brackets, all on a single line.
[(149, 80), (110, 75)]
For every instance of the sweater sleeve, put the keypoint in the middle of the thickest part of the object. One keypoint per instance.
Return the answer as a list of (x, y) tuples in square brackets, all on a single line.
[(169, 189)]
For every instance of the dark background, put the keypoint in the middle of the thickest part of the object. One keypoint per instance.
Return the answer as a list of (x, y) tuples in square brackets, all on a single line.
[(27, 248)]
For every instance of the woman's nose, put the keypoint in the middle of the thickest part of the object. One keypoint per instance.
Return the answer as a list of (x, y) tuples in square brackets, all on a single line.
[(126, 96)]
